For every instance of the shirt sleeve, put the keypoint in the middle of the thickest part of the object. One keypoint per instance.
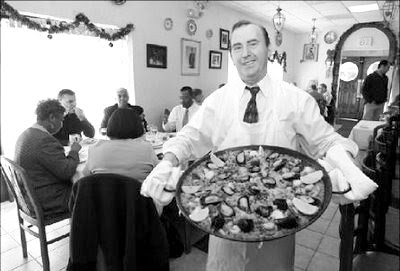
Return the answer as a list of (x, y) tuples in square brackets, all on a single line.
[(315, 135), (87, 128), (52, 157), (104, 122)]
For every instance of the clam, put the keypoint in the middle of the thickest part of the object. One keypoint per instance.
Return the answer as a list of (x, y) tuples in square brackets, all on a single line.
[(243, 203), (199, 214), (226, 210), (217, 222), (241, 158), (288, 222), (290, 176), (190, 189), (210, 199), (254, 190), (228, 190), (280, 163), (245, 225), (281, 204), (269, 182), (264, 211), (223, 175)]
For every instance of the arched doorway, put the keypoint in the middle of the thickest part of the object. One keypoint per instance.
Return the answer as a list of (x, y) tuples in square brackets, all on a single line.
[(349, 103)]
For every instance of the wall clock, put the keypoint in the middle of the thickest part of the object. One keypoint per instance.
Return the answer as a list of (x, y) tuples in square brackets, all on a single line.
[(191, 27), (168, 23), (330, 37)]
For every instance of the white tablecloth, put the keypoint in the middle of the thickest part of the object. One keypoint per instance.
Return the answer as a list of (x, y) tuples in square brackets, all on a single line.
[(363, 131)]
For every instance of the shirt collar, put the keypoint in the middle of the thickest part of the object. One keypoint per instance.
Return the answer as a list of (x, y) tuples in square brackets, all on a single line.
[(264, 84), (40, 127)]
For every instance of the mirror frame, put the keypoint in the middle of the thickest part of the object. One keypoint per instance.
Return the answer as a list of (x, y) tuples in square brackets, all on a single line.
[(338, 50)]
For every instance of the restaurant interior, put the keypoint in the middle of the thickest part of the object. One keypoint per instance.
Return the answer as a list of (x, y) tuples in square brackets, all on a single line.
[(153, 49)]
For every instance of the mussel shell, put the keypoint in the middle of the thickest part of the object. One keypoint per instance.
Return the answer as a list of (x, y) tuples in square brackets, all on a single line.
[(241, 158), (228, 190), (290, 176), (288, 222), (210, 199), (279, 164), (317, 202), (224, 175), (226, 210), (281, 204), (217, 222), (246, 225), (255, 169), (269, 182), (254, 190), (264, 211), (243, 203)]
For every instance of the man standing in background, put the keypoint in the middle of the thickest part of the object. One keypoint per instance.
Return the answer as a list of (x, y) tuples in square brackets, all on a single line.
[(374, 91)]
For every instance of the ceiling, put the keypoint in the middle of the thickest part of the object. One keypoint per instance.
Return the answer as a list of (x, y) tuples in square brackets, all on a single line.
[(299, 14)]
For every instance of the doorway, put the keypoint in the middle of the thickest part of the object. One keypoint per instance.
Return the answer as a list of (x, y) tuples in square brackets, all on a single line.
[(353, 71)]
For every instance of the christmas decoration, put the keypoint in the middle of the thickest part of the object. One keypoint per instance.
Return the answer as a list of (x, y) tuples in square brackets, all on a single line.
[(54, 27), (281, 58)]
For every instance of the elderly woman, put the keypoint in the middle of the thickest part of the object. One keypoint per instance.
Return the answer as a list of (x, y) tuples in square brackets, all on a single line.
[(44, 159), (126, 153)]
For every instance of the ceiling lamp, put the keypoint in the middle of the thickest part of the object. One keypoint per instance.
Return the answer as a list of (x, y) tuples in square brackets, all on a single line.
[(313, 34), (278, 20), (389, 10)]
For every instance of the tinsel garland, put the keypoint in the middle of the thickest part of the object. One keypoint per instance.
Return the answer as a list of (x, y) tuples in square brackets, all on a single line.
[(53, 27), (281, 58)]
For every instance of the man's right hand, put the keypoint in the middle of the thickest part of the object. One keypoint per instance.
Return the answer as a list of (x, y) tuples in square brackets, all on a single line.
[(76, 147)]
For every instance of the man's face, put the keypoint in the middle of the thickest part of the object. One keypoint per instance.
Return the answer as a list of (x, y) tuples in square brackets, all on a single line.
[(69, 102), (186, 99), (249, 53), (199, 98), (385, 69), (122, 97), (57, 121), (321, 89)]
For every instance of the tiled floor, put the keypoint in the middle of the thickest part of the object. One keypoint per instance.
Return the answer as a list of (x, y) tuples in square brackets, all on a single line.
[(317, 246)]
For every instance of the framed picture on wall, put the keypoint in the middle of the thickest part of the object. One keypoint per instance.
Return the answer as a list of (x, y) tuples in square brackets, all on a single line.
[(156, 56), (215, 60), (310, 51), (223, 39), (190, 57)]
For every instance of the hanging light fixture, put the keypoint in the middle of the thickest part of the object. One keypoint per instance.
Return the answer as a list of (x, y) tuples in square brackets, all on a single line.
[(278, 20), (313, 34), (389, 10)]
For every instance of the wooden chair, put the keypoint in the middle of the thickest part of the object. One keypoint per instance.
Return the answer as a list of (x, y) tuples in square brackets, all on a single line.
[(363, 243), (29, 209)]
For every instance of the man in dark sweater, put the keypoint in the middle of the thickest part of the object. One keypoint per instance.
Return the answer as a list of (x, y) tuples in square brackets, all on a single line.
[(75, 121), (374, 91)]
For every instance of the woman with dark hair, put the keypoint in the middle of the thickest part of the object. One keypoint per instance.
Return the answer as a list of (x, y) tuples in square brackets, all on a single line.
[(126, 153)]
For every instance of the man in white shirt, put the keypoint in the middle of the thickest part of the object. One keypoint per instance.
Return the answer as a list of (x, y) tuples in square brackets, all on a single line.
[(181, 114), (250, 110)]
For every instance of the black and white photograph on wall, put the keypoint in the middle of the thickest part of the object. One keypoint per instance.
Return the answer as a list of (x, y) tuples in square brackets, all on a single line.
[(156, 56), (215, 60), (190, 57), (223, 39)]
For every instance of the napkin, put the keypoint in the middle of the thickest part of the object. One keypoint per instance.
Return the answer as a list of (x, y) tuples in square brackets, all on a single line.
[(160, 184), (343, 172)]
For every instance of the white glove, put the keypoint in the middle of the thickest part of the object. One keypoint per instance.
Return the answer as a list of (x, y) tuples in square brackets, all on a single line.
[(346, 170), (160, 184)]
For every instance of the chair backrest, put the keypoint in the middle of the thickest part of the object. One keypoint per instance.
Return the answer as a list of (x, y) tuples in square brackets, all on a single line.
[(16, 179)]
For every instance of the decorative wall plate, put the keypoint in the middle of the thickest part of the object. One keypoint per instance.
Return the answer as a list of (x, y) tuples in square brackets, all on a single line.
[(330, 37), (278, 38), (191, 27), (209, 34), (168, 23)]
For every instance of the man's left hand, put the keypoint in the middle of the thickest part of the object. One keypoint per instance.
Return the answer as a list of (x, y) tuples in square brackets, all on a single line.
[(79, 113)]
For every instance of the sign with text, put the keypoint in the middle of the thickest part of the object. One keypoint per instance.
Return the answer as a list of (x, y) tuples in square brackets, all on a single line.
[(365, 42)]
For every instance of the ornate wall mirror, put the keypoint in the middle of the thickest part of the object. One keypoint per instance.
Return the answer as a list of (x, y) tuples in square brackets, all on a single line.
[(357, 53)]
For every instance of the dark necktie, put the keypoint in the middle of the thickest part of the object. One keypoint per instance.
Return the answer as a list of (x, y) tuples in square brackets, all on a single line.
[(251, 114), (185, 117)]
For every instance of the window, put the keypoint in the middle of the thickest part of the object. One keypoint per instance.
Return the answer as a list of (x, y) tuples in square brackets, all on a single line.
[(34, 68), (348, 71)]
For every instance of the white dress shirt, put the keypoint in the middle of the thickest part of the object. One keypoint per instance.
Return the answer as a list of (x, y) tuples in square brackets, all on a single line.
[(288, 117), (176, 117)]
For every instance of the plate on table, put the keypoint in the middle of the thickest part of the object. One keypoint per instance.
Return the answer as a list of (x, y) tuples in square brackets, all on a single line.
[(257, 193)]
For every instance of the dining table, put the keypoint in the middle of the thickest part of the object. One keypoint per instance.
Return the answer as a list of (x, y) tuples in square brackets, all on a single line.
[(157, 141), (363, 131)]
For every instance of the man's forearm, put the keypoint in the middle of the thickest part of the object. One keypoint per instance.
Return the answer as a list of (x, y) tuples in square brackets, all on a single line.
[(169, 156)]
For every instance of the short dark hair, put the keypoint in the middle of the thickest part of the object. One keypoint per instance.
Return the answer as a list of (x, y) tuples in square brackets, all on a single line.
[(65, 92), (124, 123), (323, 85), (383, 63), (47, 107), (313, 86), (245, 22), (197, 91), (188, 89)]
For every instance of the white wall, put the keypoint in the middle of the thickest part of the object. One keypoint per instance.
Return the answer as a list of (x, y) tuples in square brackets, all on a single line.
[(156, 89)]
